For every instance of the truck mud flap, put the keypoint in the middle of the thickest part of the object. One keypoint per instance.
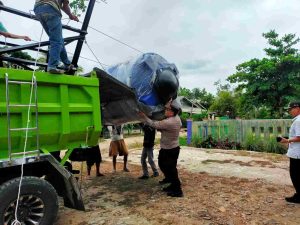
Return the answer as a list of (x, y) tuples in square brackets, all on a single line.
[(72, 196)]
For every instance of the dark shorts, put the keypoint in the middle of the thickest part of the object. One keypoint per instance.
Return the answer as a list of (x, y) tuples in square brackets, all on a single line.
[(93, 155)]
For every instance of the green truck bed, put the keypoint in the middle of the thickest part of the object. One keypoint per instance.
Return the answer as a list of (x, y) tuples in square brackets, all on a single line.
[(68, 111)]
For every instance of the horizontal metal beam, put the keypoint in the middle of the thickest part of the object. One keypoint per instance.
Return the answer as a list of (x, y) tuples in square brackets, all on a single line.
[(14, 45), (21, 61), (32, 16), (35, 45)]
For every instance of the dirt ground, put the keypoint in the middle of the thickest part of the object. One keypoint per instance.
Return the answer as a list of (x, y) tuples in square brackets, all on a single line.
[(220, 187)]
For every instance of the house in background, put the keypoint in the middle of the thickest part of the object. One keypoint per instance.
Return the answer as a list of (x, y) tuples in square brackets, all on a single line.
[(190, 106)]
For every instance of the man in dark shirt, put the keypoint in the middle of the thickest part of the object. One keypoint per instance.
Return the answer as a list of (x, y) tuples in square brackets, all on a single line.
[(149, 137)]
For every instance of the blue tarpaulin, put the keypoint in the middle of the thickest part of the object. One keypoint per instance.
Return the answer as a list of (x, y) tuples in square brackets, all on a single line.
[(140, 74)]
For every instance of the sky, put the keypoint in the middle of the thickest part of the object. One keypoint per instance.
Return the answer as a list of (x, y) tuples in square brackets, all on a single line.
[(205, 39)]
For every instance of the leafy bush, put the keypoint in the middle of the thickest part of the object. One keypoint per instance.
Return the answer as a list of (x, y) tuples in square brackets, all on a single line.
[(220, 144), (208, 143), (195, 117), (252, 143), (199, 117), (182, 141), (196, 141), (260, 144)]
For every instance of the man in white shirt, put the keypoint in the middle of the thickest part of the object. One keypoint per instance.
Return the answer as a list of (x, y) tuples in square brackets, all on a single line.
[(294, 150)]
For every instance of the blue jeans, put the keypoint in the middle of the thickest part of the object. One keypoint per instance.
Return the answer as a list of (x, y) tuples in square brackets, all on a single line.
[(50, 19), (148, 152)]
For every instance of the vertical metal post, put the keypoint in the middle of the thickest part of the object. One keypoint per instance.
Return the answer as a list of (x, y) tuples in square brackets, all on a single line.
[(189, 131), (36, 118), (8, 117), (84, 28)]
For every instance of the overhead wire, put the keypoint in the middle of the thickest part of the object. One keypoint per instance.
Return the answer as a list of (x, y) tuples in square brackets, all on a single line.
[(109, 36), (85, 41), (115, 39), (88, 59), (102, 64), (83, 57), (101, 1)]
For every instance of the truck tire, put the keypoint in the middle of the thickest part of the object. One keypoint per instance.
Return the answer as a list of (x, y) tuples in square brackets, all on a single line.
[(38, 203)]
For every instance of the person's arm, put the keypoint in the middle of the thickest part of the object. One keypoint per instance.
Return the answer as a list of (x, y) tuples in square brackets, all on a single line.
[(296, 138), (14, 36), (290, 140), (66, 8), (160, 125)]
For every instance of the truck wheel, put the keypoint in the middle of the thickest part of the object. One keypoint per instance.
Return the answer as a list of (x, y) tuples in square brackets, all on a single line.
[(38, 203)]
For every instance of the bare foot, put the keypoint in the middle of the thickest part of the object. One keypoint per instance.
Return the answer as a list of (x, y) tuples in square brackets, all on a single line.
[(100, 175), (126, 170)]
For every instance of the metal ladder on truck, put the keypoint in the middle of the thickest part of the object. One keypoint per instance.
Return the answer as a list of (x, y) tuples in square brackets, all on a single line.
[(9, 106)]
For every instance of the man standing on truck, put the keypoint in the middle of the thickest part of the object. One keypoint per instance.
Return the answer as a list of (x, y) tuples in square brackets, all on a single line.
[(48, 12)]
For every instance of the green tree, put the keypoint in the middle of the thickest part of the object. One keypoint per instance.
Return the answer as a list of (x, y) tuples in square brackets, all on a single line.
[(78, 6), (199, 95), (21, 55), (185, 92), (203, 97), (222, 87), (18, 55), (271, 82), (225, 104)]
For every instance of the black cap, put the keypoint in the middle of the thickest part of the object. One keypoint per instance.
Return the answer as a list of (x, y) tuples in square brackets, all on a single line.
[(166, 84), (294, 104), (176, 104)]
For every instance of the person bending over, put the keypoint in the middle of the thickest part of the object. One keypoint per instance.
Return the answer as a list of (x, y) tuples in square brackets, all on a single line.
[(169, 144)]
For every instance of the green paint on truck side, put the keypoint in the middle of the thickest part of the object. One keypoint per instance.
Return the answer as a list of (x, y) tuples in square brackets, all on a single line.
[(68, 109)]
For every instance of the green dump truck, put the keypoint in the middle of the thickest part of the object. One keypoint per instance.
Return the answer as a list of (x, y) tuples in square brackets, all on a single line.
[(64, 114), (41, 114)]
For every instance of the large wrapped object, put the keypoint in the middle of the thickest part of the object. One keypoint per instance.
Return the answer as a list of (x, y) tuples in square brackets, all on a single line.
[(145, 84), (153, 79)]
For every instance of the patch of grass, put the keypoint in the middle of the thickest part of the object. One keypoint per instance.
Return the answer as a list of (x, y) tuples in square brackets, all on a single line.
[(132, 134), (157, 141), (135, 145), (252, 143), (182, 141)]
